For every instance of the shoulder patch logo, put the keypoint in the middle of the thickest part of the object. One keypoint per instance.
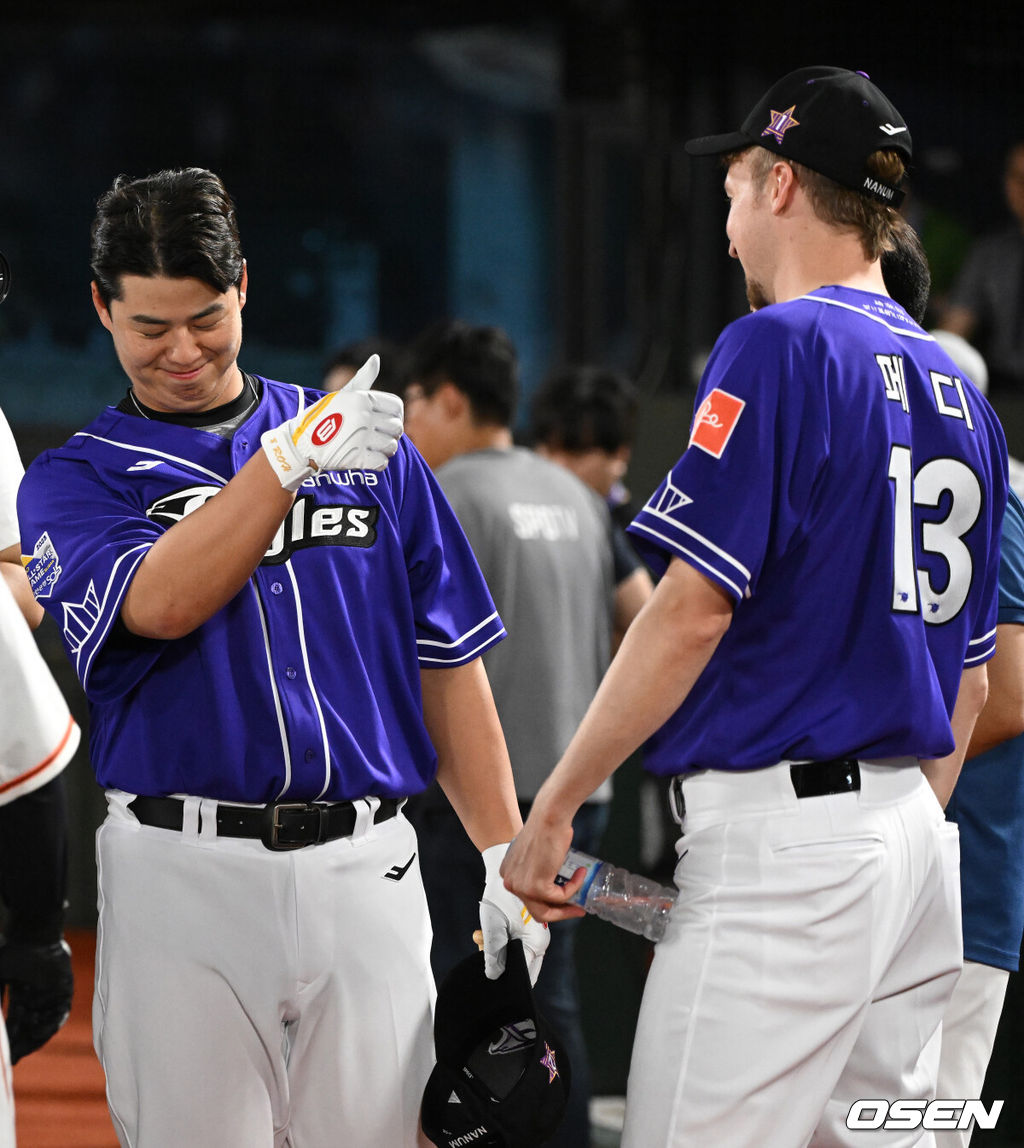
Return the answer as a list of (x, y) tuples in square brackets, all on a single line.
[(42, 566), (715, 421)]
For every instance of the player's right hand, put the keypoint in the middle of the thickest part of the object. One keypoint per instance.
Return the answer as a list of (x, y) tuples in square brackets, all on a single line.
[(530, 867), (355, 428), (503, 917)]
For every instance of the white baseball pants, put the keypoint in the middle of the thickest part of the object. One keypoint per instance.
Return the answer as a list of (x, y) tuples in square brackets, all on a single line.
[(968, 1036), (806, 965), (255, 999)]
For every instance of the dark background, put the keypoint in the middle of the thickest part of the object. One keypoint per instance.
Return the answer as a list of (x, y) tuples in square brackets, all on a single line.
[(518, 164)]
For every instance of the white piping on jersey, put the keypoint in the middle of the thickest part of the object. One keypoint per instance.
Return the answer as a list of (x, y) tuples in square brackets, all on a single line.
[(741, 592), (986, 640), (277, 701), (700, 538), (309, 681), (464, 657), (458, 641), (979, 657), (301, 397), (874, 318), (129, 446), (95, 645)]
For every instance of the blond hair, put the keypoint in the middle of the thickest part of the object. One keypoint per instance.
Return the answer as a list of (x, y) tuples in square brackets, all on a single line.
[(841, 206)]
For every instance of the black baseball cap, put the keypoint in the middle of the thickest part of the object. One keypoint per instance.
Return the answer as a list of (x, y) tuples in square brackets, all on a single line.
[(830, 120), (502, 1076)]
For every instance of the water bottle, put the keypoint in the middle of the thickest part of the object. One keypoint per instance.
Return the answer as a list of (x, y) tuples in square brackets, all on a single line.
[(618, 896)]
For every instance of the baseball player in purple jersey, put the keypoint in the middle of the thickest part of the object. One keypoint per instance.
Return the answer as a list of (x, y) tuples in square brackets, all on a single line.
[(278, 623), (839, 500)]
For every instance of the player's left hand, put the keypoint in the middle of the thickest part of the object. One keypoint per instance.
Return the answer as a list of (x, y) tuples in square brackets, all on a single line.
[(38, 983), (503, 917)]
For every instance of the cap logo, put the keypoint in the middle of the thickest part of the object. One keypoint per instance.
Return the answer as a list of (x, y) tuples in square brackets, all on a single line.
[(891, 129), (548, 1060), (781, 122), (513, 1037)]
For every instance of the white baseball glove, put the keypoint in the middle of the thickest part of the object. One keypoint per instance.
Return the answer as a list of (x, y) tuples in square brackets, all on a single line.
[(504, 916), (351, 429)]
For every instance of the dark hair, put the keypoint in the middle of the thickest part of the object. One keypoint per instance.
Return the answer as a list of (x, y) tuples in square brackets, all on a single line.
[(175, 223), (906, 273), (582, 407), (392, 375), (480, 361)]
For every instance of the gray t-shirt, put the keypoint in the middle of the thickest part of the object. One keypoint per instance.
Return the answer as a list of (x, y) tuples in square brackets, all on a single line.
[(543, 541)]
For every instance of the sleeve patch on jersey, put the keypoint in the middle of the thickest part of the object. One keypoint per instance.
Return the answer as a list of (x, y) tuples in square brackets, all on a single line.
[(715, 421), (42, 567)]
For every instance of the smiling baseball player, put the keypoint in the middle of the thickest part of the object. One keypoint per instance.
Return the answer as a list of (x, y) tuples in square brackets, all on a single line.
[(838, 502), (278, 623)]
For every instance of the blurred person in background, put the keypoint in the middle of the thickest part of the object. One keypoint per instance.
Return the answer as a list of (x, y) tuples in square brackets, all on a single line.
[(543, 540), (986, 301), (342, 365), (584, 418)]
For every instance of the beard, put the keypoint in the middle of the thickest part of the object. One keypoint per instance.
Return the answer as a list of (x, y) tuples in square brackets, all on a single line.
[(757, 297)]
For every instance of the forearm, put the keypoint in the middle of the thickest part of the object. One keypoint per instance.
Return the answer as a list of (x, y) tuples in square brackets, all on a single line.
[(942, 772), (473, 765), (202, 562), (662, 655), (1002, 717)]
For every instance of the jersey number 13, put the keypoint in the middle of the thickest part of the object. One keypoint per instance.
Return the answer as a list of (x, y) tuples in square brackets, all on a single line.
[(912, 587)]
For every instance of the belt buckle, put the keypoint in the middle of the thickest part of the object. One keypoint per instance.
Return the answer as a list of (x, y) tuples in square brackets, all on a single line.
[(272, 825)]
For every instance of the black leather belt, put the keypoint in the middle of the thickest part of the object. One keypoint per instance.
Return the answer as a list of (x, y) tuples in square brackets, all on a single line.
[(809, 778), (822, 778), (280, 825)]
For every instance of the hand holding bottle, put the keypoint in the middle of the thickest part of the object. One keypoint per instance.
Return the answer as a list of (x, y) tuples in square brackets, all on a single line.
[(618, 896)]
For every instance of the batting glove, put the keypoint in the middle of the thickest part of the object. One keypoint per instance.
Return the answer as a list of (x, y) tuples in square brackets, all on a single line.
[(38, 983), (351, 429), (504, 917)]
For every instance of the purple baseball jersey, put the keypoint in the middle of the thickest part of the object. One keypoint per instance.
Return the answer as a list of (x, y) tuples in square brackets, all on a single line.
[(306, 684), (846, 486)]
